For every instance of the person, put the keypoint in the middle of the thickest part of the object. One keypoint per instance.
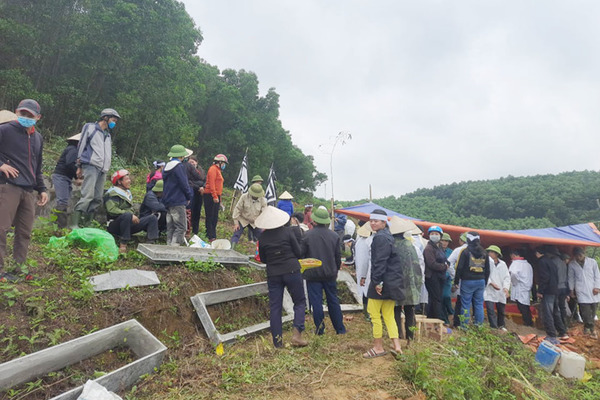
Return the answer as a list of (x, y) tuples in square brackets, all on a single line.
[(584, 282), (20, 174), (308, 216), (563, 283), (473, 272), (497, 289), (419, 243), (297, 221), (362, 262), (339, 225), (257, 179), (572, 303), (155, 175), (176, 195), (385, 287), (250, 205), (62, 177), (122, 221), (412, 275), (521, 280), (348, 245), (197, 180), (285, 203), (447, 288), (152, 205), (548, 294), (435, 271), (322, 244), (213, 190), (93, 162), (279, 250), (454, 256), (349, 228)]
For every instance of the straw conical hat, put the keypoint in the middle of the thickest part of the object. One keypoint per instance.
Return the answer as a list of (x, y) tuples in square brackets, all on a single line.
[(271, 218), (399, 225), (286, 196), (6, 116), (223, 244), (365, 230), (76, 137)]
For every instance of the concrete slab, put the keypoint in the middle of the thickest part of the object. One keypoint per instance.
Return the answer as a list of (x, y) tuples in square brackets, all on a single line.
[(148, 350), (168, 254), (202, 300), (123, 278)]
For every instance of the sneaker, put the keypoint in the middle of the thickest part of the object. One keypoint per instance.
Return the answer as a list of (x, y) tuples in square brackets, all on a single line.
[(503, 329), (29, 277), (564, 337), (6, 278)]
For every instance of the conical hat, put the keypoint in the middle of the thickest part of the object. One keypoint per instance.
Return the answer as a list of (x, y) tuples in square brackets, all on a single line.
[(76, 137), (6, 116), (365, 230), (271, 218), (399, 225), (286, 196)]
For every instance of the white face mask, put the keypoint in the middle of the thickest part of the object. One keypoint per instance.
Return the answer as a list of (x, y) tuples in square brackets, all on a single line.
[(434, 238)]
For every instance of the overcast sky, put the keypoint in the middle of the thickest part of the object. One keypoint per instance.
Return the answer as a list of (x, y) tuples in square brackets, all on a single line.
[(432, 92)]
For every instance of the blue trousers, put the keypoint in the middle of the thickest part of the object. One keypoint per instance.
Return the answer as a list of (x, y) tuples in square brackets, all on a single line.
[(471, 293), (295, 287), (315, 297)]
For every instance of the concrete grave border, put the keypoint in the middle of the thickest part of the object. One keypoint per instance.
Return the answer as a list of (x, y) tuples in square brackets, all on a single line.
[(145, 346), (345, 277), (184, 254), (202, 300)]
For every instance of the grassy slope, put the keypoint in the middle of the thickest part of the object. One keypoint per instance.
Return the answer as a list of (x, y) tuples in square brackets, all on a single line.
[(59, 307)]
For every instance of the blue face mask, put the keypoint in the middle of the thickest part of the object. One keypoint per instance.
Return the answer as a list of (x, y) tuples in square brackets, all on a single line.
[(112, 124), (223, 167), (26, 122)]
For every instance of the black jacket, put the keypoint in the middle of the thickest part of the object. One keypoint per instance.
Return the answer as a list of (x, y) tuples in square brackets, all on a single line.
[(435, 260), (547, 276), (151, 205), (22, 151), (196, 178), (67, 163), (386, 267), (279, 249), (466, 273), (324, 245)]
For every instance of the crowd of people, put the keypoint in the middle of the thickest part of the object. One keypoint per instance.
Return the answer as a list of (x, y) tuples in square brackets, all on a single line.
[(399, 273)]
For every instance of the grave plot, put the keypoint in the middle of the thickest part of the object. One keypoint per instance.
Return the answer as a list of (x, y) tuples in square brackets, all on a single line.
[(202, 300), (348, 296), (129, 338), (168, 254)]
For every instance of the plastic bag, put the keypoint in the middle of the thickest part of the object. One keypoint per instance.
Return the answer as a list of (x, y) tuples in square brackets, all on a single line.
[(195, 241), (101, 241), (95, 391)]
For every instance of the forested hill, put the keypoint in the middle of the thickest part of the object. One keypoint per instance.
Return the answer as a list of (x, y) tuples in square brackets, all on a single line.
[(507, 203), (143, 58)]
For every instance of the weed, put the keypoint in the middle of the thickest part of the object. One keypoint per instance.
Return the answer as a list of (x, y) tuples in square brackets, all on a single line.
[(10, 293), (203, 266)]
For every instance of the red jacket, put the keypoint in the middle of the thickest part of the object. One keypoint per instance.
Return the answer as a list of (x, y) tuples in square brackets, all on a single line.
[(214, 182)]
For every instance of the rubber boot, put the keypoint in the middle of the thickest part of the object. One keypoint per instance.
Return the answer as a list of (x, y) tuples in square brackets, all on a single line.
[(75, 217), (297, 339), (61, 216)]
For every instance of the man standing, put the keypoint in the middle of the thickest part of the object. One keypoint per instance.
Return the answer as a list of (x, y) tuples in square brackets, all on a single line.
[(93, 160), (521, 279), (339, 225), (248, 207), (322, 244), (548, 294), (584, 281), (176, 195), (20, 174), (64, 173), (119, 210)]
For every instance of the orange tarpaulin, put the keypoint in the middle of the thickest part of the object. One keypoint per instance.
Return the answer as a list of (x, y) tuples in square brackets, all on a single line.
[(510, 238)]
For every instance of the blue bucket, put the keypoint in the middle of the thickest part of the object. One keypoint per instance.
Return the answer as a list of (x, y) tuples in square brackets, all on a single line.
[(547, 356)]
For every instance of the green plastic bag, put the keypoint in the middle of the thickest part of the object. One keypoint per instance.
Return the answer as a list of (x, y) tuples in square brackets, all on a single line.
[(101, 241)]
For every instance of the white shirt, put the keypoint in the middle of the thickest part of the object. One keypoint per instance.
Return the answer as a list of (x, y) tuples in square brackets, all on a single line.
[(521, 278), (362, 262), (500, 277), (584, 279), (453, 259)]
